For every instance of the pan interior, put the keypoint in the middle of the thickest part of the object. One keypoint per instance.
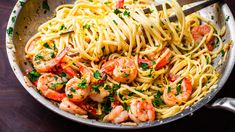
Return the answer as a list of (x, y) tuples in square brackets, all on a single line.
[(32, 14)]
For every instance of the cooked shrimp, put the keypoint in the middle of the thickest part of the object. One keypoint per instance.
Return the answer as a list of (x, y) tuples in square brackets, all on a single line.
[(69, 106), (141, 111), (49, 84), (44, 60), (199, 32), (164, 59), (99, 93), (161, 61), (172, 96), (117, 115), (122, 70), (77, 90)]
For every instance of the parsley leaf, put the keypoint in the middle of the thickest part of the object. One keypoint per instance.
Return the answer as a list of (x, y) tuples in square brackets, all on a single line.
[(117, 11), (157, 99), (38, 57), (96, 88), (153, 62), (126, 13), (82, 84), (144, 65), (222, 53), (62, 27), (97, 74), (13, 19), (72, 90), (10, 31), (45, 5), (168, 89), (63, 74), (115, 22), (70, 96), (34, 75), (126, 107), (126, 75), (22, 3), (58, 84), (46, 45), (111, 99), (86, 26)]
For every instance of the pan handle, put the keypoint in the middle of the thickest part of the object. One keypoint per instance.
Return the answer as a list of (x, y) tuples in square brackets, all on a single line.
[(224, 103)]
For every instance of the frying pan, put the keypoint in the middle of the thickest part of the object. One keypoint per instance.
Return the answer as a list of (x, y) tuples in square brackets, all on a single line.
[(29, 14)]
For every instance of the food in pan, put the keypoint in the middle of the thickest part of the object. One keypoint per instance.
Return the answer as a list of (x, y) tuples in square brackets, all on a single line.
[(112, 60)]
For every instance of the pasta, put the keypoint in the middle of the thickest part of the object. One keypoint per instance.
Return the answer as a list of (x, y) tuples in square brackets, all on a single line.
[(119, 63)]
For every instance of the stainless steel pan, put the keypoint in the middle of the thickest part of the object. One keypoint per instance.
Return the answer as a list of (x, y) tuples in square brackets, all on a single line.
[(29, 15)]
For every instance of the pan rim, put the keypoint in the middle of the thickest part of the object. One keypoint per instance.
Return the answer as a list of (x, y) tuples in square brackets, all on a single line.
[(45, 102)]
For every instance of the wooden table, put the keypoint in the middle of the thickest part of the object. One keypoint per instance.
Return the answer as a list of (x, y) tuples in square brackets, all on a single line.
[(20, 112)]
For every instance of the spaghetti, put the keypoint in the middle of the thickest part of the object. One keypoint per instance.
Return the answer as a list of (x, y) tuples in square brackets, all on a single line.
[(111, 59)]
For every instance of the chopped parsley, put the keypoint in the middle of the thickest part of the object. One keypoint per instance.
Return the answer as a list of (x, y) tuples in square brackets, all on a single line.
[(55, 77), (116, 86), (54, 45), (34, 75), (222, 53), (178, 89), (96, 88), (38, 57), (22, 3), (97, 74), (117, 11), (126, 13), (46, 45), (144, 65), (107, 2), (62, 27), (227, 18), (125, 106), (168, 89), (207, 60), (153, 62), (52, 54), (115, 22), (212, 17), (13, 19), (10, 31), (82, 84), (63, 74), (126, 75), (45, 5), (87, 26), (111, 99), (58, 84), (157, 99), (72, 90), (70, 96)]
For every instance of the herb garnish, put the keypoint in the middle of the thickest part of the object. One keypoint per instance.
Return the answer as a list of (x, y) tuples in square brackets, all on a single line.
[(144, 65), (117, 11), (157, 99), (126, 13), (82, 84), (97, 74), (45, 5), (46, 45), (34, 75)]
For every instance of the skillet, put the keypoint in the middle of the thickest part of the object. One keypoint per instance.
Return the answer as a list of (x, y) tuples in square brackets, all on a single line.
[(27, 15)]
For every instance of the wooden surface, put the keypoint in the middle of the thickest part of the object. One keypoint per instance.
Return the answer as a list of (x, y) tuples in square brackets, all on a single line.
[(20, 112)]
